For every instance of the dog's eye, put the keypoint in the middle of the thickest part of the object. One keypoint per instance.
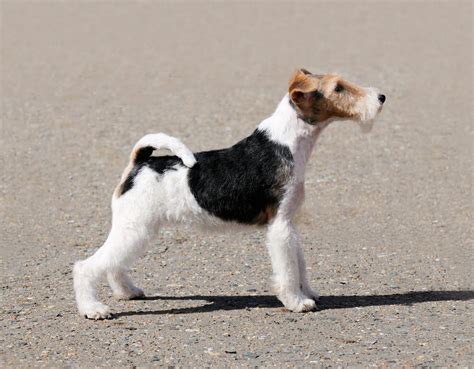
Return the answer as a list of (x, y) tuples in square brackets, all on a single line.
[(339, 88)]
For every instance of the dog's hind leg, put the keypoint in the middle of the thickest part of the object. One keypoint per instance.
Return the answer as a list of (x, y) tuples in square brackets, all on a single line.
[(132, 230), (122, 286), (120, 249)]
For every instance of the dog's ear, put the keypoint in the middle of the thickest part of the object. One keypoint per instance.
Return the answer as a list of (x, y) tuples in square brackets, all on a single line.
[(302, 86)]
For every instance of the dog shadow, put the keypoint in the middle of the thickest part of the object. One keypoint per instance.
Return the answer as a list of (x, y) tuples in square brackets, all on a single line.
[(219, 302)]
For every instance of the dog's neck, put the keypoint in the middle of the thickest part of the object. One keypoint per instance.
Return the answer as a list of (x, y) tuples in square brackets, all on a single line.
[(285, 127)]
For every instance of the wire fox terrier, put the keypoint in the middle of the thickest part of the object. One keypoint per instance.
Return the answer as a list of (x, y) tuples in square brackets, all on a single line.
[(259, 181)]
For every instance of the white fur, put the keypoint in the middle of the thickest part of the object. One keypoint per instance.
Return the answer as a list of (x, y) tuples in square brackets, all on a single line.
[(283, 243), (368, 109), (163, 141), (139, 213)]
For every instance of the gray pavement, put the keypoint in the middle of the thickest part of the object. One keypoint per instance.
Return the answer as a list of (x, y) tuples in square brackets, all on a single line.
[(387, 223)]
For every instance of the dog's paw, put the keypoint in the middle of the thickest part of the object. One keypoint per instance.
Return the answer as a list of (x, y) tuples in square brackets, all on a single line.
[(298, 303), (96, 311), (131, 293), (305, 304)]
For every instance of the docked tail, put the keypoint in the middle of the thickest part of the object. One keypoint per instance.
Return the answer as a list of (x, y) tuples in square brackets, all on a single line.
[(147, 144), (145, 147)]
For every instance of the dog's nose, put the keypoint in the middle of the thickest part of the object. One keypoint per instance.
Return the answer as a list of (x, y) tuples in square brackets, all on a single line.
[(382, 98)]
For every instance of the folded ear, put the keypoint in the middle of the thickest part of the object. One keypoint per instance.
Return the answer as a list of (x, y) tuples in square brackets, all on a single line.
[(302, 86), (305, 71)]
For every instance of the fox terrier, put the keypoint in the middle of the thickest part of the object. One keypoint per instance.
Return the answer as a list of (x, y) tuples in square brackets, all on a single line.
[(258, 181)]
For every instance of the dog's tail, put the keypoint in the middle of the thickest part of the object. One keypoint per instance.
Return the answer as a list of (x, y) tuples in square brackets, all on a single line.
[(143, 150), (147, 144)]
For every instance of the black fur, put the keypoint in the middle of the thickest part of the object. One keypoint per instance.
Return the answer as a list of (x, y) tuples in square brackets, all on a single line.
[(143, 154), (243, 183)]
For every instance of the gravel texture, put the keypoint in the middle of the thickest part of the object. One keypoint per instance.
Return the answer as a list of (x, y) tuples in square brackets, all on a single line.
[(387, 223)]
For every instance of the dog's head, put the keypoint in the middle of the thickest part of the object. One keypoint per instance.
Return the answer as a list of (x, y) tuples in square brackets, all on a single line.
[(323, 98)]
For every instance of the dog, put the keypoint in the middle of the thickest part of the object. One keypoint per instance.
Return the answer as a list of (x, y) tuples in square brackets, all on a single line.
[(258, 181)]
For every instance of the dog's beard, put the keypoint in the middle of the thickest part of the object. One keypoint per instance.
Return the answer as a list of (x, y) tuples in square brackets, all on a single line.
[(369, 109), (366, 126)]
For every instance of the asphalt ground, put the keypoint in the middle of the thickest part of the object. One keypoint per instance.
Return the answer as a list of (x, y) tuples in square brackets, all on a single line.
[(387, 222)]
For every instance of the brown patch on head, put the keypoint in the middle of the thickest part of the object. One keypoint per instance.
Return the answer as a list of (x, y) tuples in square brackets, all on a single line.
[(318, 98), (302, 82), (303, 90)]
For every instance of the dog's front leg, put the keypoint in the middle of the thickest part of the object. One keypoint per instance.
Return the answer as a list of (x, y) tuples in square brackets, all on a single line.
[(304, 284), (283, 246)]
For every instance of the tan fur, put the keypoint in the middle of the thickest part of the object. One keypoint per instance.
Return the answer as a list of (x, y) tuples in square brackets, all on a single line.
[(316, 100), (266, 215), (131, 163)]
